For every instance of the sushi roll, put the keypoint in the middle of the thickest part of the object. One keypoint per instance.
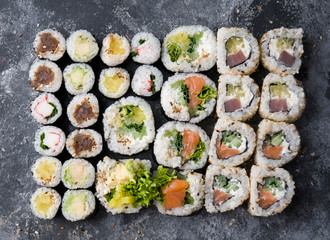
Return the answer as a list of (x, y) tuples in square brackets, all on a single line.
[(49, 141), (281, 50), (46, 108), (282, 98), (79, 78), (271, 191), (46, 171), (182, 193), (45, 76), (278, 143), (84, 143), (49, 44), (147, 80), (83, 110), (129, 126), (45, 203), (232, 143), (114, 82), (225, 188), (145, 48), (182, 145), (115, 49), (238, 97), (189, 49), (188, 97), (237, 51), (77, 204), (118, 182), (82, 46), (77, 173)]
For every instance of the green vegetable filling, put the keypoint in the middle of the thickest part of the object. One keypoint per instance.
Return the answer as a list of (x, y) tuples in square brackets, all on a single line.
[(109, 195), (153, 85), (184, 90), (198, 152), (134, 54), (231, 139), (141, 41), (285, 43), (234, 44), (279, 90), (223, 182), (127, 111), (43, 147), (206, 94), (272, 183), (162, 179), (174, 51), (54, 112), (235, 90), (188, 199), (194, 42), (277, 139), (176, 139)]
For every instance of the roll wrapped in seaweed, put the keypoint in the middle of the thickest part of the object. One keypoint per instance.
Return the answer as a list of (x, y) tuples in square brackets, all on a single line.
[(45, 203), (114, 82), (46, 171), (46, 108), (115, 49), (145, 48), (49, 141)]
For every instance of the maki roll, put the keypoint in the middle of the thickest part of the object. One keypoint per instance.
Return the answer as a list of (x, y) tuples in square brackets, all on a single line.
[(145, 48), (129, 126), (45, 203), (119, 185), (46, 171), (115, 49), (282, 98), (77, 173), (232, 143), (181, 193), (278, 143), (238, 97), (188, 97), (77, 204), (79, 78), (281, 50), (49, 44), (182, 145), (49, 141), (237, 51), (271, 191), (225, 188), (82, 46), (83, 110), (114, 82), (84, 143), (189, 49), (46, 108), (147, 80), (45, 76)]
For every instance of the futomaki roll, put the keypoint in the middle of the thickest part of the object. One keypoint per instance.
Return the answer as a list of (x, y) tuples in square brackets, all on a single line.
[(49, 141), (83, 110), (238, 97), (45, 76), (115, 49), (145, 48), (281, 50), (277, 143), (188, 97), (129, 126), (147, 80), (46, 171), (182, 145), (271, 191), (78, 78), (237, 51), (232, 143), (189, 49), (82, 46), (114, 82), (45, 203), (282, 98), (46, 108), (225, 188), (49, 44)]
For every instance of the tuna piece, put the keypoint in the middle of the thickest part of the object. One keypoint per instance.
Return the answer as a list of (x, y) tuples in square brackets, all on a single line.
[(286, 58), (232, 105), (278, 105), (236, 59)]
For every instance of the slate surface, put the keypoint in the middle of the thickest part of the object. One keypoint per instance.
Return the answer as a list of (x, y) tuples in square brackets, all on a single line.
[(308, 215)]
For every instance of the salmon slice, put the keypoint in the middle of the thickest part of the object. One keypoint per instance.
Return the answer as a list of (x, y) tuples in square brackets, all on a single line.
[(225, 152), (190, 140), (195, 85), (266, 198), (272, 152), (220, 197), (174, 194)]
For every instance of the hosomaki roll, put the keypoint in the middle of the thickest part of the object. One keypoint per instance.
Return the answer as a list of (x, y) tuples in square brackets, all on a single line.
[(49, 141), (114, 82), (145, 48), (46, 108), (45, 203), (271, 191), (232, 143), (46, 171), (115, 49)]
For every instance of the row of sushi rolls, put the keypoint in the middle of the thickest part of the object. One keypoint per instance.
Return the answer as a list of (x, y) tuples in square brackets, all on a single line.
[(180, 146)]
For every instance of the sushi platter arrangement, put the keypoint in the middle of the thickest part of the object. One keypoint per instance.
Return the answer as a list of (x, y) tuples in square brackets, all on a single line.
[(180, 147)]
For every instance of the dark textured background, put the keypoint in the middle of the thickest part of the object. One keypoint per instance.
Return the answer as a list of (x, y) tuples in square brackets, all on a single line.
[(307, 217)]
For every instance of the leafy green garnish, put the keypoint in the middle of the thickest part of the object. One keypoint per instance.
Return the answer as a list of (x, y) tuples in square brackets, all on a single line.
[(194, 42), (271, 183), (134, 54), (138, 131), (223, 182), (43, 147), (162, 179), (109, 195), (153, 86), (231, 138), (141, 41), (205, 94), (277, 139), (188, 199), (176, 139), (198, 152), (54, 112), (184, 97), (185, 93), (127, 110), (174, 51)]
